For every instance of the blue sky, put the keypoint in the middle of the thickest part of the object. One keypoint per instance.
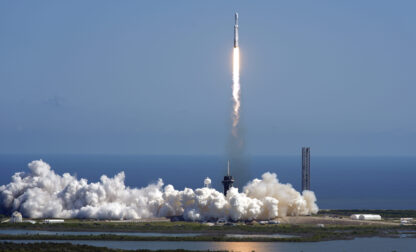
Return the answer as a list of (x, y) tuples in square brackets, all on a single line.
[(154, 77)]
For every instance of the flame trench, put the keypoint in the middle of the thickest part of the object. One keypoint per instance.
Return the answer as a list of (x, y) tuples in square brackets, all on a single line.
[(236, 89)]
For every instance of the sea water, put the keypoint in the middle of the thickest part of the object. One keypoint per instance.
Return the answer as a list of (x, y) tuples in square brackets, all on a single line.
[(356, 245)]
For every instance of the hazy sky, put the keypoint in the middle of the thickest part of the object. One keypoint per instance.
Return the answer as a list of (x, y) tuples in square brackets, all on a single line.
[(154, 77)]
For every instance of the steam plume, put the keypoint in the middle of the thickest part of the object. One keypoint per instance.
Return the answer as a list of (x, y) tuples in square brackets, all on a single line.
[(41, 193)]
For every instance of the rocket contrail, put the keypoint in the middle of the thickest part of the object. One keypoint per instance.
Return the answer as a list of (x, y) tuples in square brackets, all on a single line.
[(236, 140), (236, 79)]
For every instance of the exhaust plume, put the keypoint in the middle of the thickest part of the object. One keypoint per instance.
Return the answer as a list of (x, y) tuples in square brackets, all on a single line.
[(41, 193), (235, 147), (236, 90)]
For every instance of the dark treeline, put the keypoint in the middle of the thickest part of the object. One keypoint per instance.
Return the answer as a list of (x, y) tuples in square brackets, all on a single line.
[(68, 247)]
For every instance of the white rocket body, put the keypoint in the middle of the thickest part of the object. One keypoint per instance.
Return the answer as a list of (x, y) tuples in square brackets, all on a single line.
[(236, 31)]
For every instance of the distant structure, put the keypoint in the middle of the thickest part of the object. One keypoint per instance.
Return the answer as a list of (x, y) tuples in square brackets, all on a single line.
[(406, 221), (365, 217), (228, 180), (16, 217), (53, 221), (306, 168), (207, 182)]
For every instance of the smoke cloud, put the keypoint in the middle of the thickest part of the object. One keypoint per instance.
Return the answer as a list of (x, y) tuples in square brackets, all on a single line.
[(41, 193)]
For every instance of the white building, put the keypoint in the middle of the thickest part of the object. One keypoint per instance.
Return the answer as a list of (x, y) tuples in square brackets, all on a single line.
[(406, 221), (16, 217), (53, 221), (365, 217)]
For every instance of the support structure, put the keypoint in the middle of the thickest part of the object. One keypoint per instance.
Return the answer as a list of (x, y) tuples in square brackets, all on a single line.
[(228, 180)]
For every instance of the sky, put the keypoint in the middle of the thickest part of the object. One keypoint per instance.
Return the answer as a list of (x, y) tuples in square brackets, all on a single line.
[(154, 77)]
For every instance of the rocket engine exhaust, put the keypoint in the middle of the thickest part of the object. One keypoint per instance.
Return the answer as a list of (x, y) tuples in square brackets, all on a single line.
[(235, 146), (236, 80), (236, 90)]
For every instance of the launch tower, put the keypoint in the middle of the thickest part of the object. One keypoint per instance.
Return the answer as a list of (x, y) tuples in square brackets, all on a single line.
[(228, 180)]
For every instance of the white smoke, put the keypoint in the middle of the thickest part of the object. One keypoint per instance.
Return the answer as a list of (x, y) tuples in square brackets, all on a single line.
[(43, 194)]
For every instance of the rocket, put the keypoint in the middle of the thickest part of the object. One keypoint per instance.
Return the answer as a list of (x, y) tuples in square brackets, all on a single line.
[(236, 31)]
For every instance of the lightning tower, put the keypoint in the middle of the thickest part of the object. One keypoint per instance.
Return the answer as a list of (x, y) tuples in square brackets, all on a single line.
[(306, 168)]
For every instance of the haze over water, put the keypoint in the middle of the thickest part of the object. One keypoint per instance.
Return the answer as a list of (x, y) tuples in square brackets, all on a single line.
[(339, 182)]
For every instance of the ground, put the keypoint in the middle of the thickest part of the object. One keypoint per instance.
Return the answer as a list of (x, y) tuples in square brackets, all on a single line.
[(327, 225)]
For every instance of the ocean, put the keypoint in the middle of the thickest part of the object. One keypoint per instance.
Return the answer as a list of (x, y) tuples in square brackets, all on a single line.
[(338, 182)]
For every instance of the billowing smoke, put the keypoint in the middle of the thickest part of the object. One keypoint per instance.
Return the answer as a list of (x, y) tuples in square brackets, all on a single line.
[(41, 193)]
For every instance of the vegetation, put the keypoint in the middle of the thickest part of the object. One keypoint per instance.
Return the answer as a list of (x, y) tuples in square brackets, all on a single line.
[(194, 227), (383, 213), (66, 247), (159, 227), (303, 234)]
